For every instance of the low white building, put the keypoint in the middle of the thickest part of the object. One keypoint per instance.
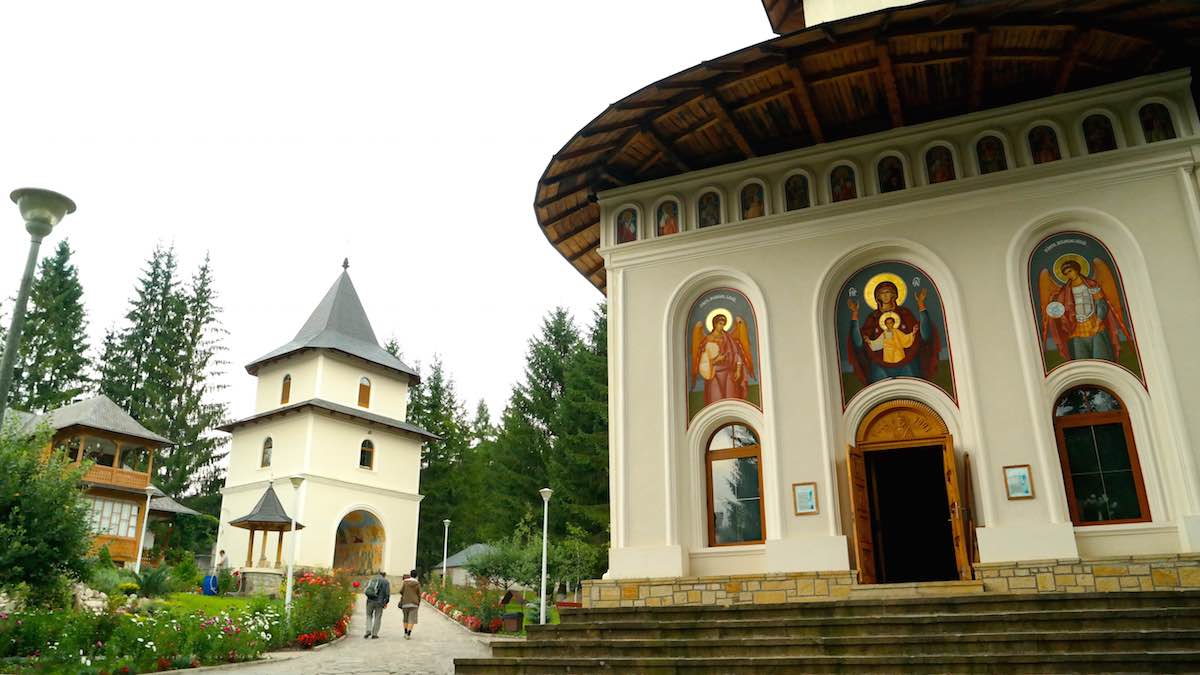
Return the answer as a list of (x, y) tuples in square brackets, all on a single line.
[(330, 410)]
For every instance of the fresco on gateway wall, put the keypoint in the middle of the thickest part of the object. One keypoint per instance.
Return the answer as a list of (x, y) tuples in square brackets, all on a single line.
[(1080, 307), (722, 351), (891, 323), (627, 226)]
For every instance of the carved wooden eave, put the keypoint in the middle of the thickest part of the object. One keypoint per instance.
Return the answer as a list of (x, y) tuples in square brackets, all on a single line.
[(848, 78)]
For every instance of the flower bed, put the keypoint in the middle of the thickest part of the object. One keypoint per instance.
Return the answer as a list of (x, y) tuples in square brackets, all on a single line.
[(176, 633)]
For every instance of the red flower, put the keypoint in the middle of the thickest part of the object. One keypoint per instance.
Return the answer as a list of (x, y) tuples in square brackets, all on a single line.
[(355, 584)]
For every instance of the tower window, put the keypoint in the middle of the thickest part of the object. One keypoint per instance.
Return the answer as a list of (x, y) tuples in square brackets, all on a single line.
[(265, 461), (735, 513), (366, 455), (364, 393), (285, 393)]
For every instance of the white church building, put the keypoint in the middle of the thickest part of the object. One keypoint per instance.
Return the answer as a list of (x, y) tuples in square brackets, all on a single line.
[(899, 296), (330, 410)]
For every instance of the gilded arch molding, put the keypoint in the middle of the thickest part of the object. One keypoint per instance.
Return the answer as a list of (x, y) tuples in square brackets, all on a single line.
[(900, 420)]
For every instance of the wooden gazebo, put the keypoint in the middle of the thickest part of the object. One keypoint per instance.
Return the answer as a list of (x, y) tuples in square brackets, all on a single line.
[(267, 516), (847, 78)]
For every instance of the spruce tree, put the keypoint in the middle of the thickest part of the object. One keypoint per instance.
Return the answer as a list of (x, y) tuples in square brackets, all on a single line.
[(52, 364), (578, 465)]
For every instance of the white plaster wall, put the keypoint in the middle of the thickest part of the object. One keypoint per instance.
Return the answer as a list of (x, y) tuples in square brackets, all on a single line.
[(322, 505), (335, 451), (339, 378), (303, 369), (289, 436), (973, 237), (821, 11)]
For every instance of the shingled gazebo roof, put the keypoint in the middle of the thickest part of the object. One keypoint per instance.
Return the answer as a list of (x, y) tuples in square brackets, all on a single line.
[(847, 78), (268, 514)]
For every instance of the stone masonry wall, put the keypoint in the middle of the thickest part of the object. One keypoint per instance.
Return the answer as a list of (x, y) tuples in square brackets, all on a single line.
[(753, 589), (1127, 573)]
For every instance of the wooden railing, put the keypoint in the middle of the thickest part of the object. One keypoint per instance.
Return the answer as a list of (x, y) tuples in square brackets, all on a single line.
[(107, 475), (120, 548)]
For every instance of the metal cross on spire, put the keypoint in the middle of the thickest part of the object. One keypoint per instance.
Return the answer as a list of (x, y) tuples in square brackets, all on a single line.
[(345, 263)]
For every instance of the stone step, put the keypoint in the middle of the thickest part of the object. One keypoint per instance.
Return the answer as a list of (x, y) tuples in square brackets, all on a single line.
[(714, 627), (1016, 642), (1178, 661), (874, 607)]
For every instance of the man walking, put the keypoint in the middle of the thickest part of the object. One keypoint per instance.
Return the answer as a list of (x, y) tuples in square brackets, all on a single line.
[(379, 593)]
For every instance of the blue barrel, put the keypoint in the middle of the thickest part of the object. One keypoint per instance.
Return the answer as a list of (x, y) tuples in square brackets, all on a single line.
[(209, 587)]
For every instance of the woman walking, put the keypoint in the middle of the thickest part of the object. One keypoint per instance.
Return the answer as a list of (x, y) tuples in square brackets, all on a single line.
[(410, 601)]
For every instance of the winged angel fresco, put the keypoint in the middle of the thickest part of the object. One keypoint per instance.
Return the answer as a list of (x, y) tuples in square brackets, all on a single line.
[(1082, 314), (723, 359)]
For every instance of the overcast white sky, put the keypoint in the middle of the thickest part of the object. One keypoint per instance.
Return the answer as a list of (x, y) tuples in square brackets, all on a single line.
[(281, 137)]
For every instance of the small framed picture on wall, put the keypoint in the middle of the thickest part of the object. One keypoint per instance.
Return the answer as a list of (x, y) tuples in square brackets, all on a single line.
[(804, 499), (1018, 481)]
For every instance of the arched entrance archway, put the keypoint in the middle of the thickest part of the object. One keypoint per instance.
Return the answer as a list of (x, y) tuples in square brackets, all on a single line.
[(358, 546), (908, 518)]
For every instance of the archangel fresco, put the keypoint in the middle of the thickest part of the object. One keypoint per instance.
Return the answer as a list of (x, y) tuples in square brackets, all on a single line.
[(939, 164), (1098, 134), (842, 185), (1081, 306), (358, 545), (891, 174), (668, 218), (891, 323), (990, 151), (753, 201), (1156, 122), (795, 193), (1043, 145), (722, 350), (627, 226), (709, 209)]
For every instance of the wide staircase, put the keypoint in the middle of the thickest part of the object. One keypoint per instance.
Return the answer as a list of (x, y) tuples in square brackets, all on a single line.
[(1151, 632)]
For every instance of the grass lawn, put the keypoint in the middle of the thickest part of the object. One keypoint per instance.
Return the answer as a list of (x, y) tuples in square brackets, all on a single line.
[(210, 604)]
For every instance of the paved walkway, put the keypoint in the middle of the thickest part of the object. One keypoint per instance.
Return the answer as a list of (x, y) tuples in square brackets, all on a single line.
[(436, 642)]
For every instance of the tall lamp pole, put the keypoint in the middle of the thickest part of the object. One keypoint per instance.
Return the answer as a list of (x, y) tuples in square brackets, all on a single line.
[(287, 602), (445, 549), (42, 210), (545, 493)]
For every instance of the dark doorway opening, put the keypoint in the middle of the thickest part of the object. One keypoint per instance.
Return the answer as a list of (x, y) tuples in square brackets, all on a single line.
[(910, 515)]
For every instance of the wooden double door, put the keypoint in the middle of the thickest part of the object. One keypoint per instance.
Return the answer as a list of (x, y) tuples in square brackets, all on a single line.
[(909, 518)]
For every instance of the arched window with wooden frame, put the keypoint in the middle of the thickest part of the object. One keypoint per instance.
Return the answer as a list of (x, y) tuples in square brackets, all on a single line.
[(733, 459), (285, 392), (265, 460), (364, 393), (1099, 459), (366, 455)]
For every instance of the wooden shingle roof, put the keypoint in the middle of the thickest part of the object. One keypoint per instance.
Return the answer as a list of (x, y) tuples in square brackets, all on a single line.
[(847, 78)]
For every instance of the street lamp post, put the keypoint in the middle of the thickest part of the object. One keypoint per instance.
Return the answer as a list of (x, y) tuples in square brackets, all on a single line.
[(287, 602), (545, 493), (42, 210), (445, 549)]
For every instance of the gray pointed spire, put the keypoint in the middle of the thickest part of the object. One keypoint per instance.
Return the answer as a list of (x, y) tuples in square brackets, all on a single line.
[(338, 323)]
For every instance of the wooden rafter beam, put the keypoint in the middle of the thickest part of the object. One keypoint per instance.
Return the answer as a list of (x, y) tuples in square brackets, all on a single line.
[(764, 96), (664, 146), (593, 269), (888, 75), (979, 54), (582, 227), (804, 99), (560, 196), (613, 176), (566, 213), (706, 124), (1074, 49), (584, 152), (731, 126), (650, 161), (585, 250), (607, 128)]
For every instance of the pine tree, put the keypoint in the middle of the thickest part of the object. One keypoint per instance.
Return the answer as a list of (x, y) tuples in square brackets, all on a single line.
[(528, 427), (52, 364), (578, 465), (435, 407), (194, 461), (482, 428)]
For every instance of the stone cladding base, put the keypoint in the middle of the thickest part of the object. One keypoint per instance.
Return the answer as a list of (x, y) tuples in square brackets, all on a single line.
[(750, 589), (262, 581), (1126, 573)]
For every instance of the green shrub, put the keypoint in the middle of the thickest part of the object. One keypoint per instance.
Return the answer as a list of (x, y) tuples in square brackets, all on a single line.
[(226, 582), (187, 574), (155, 582), (320, 601), (109, 580)]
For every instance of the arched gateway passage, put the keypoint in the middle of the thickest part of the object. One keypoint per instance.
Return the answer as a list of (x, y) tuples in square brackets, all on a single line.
[(359, 543), (908, 518)]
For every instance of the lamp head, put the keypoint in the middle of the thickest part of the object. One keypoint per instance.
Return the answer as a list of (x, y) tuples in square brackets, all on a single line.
[(545, 493), (41, 209), (296, 481), (446, 522)]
